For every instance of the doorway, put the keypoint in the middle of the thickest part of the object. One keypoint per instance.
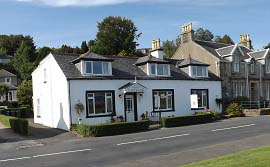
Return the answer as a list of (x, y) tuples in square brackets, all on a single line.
[(130, 106)]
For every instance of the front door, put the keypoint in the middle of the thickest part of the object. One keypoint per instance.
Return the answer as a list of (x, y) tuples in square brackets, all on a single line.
[(130, 108)]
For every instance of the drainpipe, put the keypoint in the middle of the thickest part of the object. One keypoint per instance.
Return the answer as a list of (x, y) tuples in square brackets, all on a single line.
[(247, 85), (260, 81)]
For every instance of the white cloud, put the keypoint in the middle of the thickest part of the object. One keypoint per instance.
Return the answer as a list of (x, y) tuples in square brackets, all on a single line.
[(63, 3)]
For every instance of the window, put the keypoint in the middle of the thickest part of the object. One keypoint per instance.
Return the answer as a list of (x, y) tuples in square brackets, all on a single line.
[(8, 80), (163, 100), (237, 88), (202, 97), (252, 67), (267, 64), (97, 68), (268, 92), (159, 69), (38, 108), (45, 76), (235, 63), (199, 71), (100, 103), (10, 96)]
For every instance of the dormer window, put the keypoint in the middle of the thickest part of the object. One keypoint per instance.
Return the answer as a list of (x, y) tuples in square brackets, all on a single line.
[(97, 68), (235, 63), (159, 69), (199, 71)]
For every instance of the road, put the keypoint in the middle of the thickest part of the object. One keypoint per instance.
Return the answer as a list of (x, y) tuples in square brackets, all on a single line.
[(165, 147)]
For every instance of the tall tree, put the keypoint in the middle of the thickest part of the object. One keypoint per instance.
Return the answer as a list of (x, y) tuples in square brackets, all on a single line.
[(23, 60), (42, 53), (267, 46), (204, 35), (115, 35), (3, 90), (24, 93), (169, 48), (225, 39), (67, 49), (84, 47), (3, 51)]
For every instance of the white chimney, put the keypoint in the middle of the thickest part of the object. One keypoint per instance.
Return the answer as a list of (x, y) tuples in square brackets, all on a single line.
[(156, 51)]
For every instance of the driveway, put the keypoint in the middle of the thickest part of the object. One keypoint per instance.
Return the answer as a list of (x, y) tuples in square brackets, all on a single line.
[(166, 147)]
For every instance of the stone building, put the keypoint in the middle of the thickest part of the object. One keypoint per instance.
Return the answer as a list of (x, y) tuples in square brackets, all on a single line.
[(244, 72)]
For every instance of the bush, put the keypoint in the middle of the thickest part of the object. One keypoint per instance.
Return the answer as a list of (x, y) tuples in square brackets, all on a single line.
[(234, 110), (111, 129), (187, 120), (18, 125)]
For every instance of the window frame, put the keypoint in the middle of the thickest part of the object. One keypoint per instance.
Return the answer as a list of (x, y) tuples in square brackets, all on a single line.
[(207, 100), (165, 66), (6, 80), (252, 67), (267, 65), (172, 109), (106, 114), (204, 69), (102, 66), (236, 63)]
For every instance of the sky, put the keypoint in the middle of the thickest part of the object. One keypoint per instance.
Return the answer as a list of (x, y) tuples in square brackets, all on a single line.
[(56, 22)]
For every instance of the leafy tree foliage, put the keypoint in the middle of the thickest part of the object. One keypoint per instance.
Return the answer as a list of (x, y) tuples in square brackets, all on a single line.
[(115, 34), (204, 35), (170, 47), (24, 60), (267, 46), (68, 49), (225, 39), (24, 93), (3, 51), (3, 89), (84, 47), (42, 53)]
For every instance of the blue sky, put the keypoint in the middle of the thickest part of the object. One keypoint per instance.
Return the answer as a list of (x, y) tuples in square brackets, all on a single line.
[(56, 22)]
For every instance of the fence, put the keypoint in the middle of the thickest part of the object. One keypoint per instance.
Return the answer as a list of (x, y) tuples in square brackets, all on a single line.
[(153, 117), (254, 104)]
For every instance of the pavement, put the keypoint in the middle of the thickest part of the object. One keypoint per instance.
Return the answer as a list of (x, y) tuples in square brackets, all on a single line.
[(158, 148)]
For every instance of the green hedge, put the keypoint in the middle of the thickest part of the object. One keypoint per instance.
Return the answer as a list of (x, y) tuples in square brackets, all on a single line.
[(111, 129), (17, 124), (187, 120), (21, 112)]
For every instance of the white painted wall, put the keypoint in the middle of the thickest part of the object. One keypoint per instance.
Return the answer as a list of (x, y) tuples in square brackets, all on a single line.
[(53, 95), (182, 90)]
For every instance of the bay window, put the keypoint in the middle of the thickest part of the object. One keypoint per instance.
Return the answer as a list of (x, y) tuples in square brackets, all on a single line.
[(100, 103), (202, 95), (163, 100), (97, 68)]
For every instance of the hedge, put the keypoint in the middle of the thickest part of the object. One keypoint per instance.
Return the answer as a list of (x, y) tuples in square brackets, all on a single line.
[(111, 129), (187, 120), (17, 124), (21, 112)]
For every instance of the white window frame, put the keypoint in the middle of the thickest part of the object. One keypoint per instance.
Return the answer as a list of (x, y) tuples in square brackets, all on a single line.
[(236, 63), (194, 71), (165, 67), (6, 80), (205, 94), (94, 106), (157, 99), (103, 69)]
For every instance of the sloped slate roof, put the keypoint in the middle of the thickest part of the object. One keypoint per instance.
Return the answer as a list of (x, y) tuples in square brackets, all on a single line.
[(92, 56), (149, 59), (190, 61), (245, 50), (225, 50), (122, 68), (211, 46), (5, 73), (258, 54)]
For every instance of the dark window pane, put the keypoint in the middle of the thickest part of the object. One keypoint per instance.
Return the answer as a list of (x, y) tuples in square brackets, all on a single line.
[(97, 67), (109, 105), (100, 103), (160, 69), (90, 106), (88, 67), (153, 69)]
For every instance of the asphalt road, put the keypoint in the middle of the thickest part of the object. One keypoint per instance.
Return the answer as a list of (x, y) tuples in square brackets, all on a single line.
[(165, 147)]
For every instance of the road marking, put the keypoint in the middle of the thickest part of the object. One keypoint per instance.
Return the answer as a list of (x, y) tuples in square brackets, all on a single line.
[(235, 127), (44, 155), (154, 139)]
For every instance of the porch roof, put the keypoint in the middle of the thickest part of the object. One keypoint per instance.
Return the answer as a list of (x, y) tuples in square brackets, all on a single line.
[(133, 87)]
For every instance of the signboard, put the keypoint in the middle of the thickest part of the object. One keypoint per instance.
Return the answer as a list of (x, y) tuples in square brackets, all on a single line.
[(194, 101)]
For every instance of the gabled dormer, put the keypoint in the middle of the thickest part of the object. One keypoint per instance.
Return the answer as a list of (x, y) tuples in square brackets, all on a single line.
[(94, 64), (154, 64), (194, 68)]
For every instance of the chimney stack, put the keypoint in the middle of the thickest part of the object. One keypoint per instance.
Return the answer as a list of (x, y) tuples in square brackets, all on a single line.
[(187, 33), (246, 41), (156, 51)]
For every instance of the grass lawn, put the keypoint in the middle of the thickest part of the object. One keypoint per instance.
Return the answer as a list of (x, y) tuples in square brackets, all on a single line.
[(259, 157)]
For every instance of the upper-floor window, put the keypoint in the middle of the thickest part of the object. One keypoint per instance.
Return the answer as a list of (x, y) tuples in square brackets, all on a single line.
[(199, 71), (267, 65), (235, 63), (8, 80), (44, 76), (252, 67), (159, 69), (97, 68)]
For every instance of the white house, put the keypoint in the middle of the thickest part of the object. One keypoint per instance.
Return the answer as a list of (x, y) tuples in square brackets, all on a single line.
[(112, 86)]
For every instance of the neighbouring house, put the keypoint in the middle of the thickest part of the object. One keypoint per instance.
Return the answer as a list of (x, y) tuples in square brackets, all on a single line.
[(11, 81), (244, 72), (144, 51), (110, 86), (5, 58)]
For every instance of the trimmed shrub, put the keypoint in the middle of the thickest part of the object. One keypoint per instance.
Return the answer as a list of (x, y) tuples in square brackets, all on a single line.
[(111, 128), (234, 110), (17, 124), (187, 120)]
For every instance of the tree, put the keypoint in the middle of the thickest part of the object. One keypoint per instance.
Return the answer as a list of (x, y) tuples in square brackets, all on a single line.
[(204, 35), (115, 34), (42, 53), (267, 46), (169, 48), (24, 93), (23, 61), (3, 90), (3, 51), (225, 39), (68, 49), (84, 47)]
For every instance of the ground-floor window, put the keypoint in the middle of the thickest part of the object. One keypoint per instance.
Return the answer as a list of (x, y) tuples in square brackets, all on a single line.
[(202, 95), (237, 89), (100, 103), (163, 100)]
